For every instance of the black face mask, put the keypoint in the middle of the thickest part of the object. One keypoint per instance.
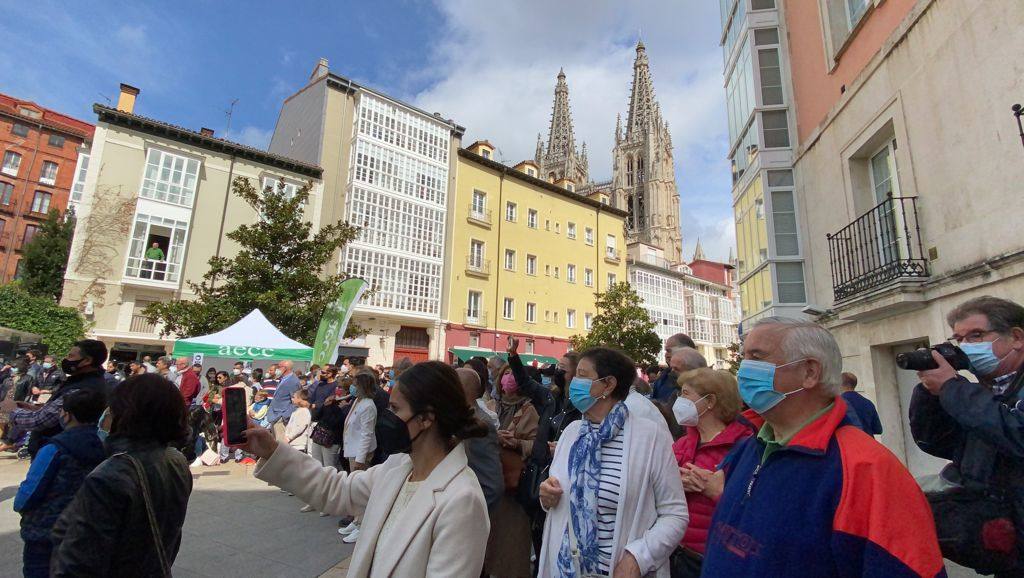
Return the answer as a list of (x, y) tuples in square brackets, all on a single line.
[(68, 366), (559, 378), (403, 440)]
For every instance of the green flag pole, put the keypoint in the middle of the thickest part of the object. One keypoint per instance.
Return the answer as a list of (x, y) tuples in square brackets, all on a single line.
[(335, 320)]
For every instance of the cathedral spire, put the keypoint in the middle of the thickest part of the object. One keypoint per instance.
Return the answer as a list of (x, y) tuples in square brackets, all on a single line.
[(561, 159), (644, 114), (698, 253)]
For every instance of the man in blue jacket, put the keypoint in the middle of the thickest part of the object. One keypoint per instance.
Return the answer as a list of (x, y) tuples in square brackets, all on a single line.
[(811, 495), (281, 407), (663, 387), (57, 472)]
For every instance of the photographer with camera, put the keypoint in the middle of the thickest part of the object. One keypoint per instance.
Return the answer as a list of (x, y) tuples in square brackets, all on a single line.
[(978, 499)]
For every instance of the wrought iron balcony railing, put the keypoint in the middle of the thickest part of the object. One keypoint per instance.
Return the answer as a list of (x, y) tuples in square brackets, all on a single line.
[(881, 246)]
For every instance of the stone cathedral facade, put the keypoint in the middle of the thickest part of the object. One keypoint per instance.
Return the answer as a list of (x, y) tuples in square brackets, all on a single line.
[(643, 173)]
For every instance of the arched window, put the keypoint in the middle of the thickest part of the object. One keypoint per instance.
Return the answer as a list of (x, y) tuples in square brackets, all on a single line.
[(629, 172)]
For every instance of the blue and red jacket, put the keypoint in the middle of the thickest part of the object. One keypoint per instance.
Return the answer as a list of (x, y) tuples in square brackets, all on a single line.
[(833, 502)]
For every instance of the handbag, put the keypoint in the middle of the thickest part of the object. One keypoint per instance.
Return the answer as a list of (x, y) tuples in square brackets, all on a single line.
[(975, 528), (574, 552), (685, 563), (512, 466), (165, 567), (528, 492), (322, 436)]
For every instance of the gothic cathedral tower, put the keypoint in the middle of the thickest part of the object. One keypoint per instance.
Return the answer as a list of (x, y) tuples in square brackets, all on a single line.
[(643, 174), (561, 160)]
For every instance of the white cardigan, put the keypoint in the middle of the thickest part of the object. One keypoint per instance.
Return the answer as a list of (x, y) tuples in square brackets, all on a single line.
[(359, 440), (441, 532), (652, 516)]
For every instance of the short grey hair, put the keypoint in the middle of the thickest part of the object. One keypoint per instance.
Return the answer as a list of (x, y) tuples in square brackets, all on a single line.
[(690, 356), (166, 360), (807, 340), (1003, 315)]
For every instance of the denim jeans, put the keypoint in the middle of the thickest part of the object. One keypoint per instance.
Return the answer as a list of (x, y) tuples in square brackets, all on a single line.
[(35, 558)]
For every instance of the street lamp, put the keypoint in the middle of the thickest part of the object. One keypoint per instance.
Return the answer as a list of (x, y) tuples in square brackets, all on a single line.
[(1018, 110)]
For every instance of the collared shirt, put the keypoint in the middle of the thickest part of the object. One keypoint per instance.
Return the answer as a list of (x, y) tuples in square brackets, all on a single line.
[(1003, 383), (767, 433)]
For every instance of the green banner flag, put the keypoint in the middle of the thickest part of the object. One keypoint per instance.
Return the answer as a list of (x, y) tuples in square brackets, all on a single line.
[(335, 321)]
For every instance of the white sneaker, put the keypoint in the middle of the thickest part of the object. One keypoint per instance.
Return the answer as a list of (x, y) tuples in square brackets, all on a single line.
[(306, 508), (196, 464), (348, 529), (351, 538), (323, 514)]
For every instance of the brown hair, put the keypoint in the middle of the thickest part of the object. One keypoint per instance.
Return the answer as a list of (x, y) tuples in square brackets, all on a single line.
[(434, 387), (148, 407), (366, 384), (721, 384)]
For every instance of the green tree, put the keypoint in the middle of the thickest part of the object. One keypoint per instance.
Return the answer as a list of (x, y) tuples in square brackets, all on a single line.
[(46, 257), (734, 358), (59, 326), (622, 322), (277, 269)]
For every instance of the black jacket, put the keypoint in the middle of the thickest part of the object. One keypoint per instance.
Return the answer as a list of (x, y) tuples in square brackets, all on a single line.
[(88, 380), (105, 531), (555, 413), (982, 433)]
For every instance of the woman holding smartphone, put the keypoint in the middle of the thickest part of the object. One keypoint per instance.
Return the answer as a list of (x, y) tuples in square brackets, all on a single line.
[(423, 512)]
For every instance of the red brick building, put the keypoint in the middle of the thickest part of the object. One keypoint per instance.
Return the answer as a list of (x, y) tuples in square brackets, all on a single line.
[(40, 154)]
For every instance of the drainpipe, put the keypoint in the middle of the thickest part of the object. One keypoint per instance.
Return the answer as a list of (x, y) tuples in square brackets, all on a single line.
[(499, 261), (223, 216)]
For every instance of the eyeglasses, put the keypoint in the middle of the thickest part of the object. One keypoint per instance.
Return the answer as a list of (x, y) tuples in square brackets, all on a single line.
[(972, 337)]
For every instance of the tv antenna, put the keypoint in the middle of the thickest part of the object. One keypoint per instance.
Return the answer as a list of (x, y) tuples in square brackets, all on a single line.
[(229, 113), (106, 98)]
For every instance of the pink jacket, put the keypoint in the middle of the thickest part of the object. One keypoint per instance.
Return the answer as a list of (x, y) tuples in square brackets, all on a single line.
[(706, 456)]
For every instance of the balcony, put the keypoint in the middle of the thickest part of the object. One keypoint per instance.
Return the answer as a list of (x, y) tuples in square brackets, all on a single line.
[(140, 324), (475, 317), (478, 267), (611, 254), (479, 216), (882, 246)]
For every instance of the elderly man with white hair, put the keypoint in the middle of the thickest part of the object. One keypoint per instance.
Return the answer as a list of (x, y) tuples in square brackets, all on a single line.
[(812, 495)]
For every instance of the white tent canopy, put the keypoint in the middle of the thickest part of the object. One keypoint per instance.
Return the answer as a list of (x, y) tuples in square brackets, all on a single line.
[(252, 337)]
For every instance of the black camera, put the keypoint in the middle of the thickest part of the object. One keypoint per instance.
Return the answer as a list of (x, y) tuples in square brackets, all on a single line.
[(921, 359)]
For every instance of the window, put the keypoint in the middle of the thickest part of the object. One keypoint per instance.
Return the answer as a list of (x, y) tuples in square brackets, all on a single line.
[(18, 268), (570, 230), (508, 310), (588, 277), (588, 321), (570, 273), (529, 346), (762, 4), (170, 178), (558, 228), (41, 202), (771, 76), (556, 271), (531, 312), (6, 190), (479, 203), (531, 171), (30, 232), (30, 112), (3, 225), (611, 280), (531, 218), (169, 237), (473, 306), (19, 129), (78, 187), (570, 318), (12, 161), (531, 264), (56, 141), (570, 187), (48, 173), (609, 247), (547, 224), (474, 340), (855, 10), (510, 259), (510, 212), (554, 315), (485, 153), (547, 270), (273, 184), (790, 279), (787, 243), (476, 254), (776, 129), (588, 236)]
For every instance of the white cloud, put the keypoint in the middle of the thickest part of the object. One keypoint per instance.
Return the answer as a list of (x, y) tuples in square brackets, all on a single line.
[(494, 72), (253, 136), (133, 35)]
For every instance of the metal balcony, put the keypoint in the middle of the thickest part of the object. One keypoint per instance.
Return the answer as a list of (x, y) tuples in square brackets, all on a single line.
[(611, 254), (880, 247), (479, 216), (475, 317), (140, 324)]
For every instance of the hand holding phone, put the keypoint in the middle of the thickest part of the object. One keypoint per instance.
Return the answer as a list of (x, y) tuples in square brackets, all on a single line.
[(234, 415)]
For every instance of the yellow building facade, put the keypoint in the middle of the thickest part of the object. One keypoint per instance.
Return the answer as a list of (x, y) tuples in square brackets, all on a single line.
[(525, 258)]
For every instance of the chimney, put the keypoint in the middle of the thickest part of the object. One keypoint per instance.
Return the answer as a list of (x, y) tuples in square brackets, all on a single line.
[(126, 101), (206, 131), (319, 70)]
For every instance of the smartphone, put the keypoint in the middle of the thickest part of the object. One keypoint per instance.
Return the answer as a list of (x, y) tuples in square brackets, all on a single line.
[(235, 415)]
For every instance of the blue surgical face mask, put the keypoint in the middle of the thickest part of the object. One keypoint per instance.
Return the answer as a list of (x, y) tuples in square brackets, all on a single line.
[(983, 360), (352, 390), (757, 384), (579, 393), (545, 380)]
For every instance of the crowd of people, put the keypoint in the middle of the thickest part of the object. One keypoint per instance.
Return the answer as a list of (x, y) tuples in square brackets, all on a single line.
[(590, 467)]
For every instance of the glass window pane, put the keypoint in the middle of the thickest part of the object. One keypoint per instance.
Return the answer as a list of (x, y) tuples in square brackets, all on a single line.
[(776, 130), (766, 36)]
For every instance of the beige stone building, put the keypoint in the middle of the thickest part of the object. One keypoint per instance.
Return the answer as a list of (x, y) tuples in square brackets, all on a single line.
[(389, 168), (152, 185), (909, 172)]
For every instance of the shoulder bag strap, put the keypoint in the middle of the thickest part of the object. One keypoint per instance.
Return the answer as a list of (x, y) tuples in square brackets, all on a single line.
[(148, 501)]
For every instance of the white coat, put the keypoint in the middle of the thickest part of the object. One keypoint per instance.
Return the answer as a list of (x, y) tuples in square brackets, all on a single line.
[(652, 516), (441, 532), (359, 439)]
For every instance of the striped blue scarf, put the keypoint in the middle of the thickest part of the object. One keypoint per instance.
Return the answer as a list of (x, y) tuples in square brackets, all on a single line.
[(584, 481)]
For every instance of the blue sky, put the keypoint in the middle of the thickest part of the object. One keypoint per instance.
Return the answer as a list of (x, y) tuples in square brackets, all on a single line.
[(489, 66)]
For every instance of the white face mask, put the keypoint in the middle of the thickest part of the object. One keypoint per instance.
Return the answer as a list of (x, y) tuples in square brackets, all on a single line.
[(236, 371), (685, 412)]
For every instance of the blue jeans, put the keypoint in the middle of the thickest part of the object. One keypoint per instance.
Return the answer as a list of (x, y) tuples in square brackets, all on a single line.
[(35, 558)]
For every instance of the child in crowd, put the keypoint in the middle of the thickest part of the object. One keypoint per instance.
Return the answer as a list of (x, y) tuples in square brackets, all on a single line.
[(260, 408), (56, 473), (300, 422)]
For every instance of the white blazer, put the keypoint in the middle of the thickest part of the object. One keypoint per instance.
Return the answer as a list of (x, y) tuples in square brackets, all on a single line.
[(359, 439), (441, 532), (652, 516)]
